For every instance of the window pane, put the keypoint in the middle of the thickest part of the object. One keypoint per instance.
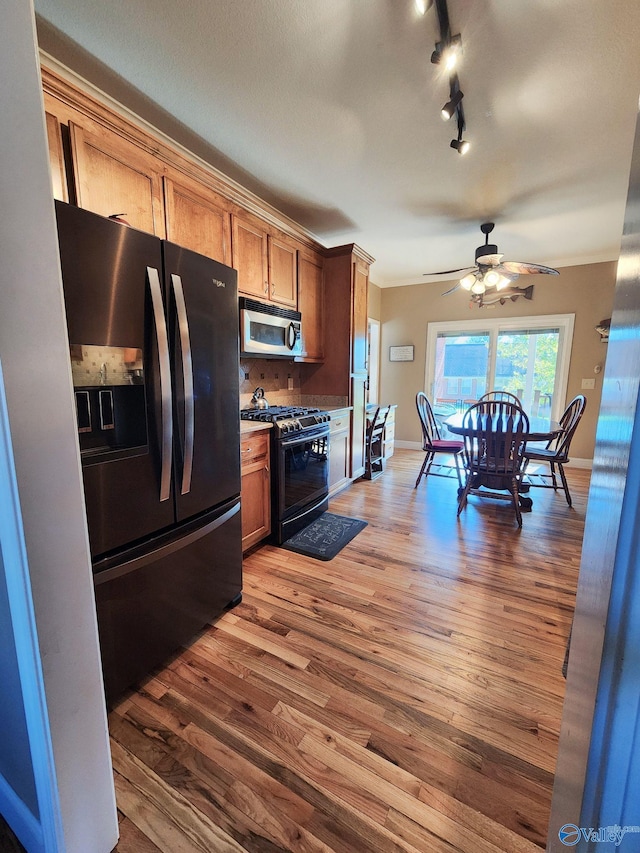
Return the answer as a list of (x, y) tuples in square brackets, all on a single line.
[(461, 367), (526, 363)]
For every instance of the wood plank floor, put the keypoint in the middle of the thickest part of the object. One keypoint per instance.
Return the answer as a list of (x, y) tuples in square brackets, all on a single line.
[(405, 696)]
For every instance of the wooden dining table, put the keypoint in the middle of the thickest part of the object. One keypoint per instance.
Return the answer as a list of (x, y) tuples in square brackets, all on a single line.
[(545, 431)]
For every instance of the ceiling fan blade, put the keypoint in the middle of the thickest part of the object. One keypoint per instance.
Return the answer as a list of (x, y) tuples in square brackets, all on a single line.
[(451, 290), (446, 272), (528, 269), (500, 268)]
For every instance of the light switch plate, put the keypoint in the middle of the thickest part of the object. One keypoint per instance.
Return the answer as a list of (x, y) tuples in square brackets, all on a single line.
[(588, 383)]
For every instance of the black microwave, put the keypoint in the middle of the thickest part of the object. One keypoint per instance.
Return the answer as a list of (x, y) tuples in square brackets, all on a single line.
[(269, 331)]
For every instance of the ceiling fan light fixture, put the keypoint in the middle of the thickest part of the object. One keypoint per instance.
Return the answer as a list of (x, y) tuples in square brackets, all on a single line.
[(460, 145), (478, 287), (450, 107), (467, 281), (503, 282), (492, 278)]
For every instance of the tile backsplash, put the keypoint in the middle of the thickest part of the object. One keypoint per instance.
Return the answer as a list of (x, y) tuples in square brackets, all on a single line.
[(282, 381)]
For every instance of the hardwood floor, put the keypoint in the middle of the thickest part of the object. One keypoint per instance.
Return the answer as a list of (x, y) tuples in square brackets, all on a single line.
[(405, 696)]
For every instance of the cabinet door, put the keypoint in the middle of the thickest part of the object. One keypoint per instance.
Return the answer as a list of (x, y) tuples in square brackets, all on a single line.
[(359, 317), (198, 221), (283, 274), (255, 494), (250, 258), (339, 451), (56, 159), (389, 433), (358, 425), (311, 306), (114, 176)]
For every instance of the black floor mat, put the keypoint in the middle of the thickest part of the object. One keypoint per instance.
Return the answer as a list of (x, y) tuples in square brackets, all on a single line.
[(325, 537)]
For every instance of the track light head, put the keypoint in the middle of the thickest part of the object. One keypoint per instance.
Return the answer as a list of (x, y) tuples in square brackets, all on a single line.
[(460, 145), (422, 6), (450, 107), (447, 53)]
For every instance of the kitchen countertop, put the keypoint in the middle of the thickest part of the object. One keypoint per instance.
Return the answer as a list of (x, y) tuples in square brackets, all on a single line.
[(254, 426)]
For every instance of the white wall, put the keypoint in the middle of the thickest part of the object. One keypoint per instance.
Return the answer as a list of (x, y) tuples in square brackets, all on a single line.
[(34, 354)]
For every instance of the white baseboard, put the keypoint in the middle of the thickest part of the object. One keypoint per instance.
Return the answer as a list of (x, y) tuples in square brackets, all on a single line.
[(416, 445)]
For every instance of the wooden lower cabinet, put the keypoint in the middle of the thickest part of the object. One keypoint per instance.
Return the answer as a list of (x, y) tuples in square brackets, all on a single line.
[(255, 494), (339, 450)]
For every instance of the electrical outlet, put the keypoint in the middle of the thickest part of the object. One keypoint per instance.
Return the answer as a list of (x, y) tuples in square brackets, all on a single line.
[(587, 384), (290, 383)]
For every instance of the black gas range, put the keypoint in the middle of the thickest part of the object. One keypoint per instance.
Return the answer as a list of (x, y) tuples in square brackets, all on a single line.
[(299, 463), (288, 420)]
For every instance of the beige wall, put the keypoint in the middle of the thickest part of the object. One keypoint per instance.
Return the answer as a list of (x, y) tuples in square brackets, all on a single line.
[(375, 302), (586, 291)]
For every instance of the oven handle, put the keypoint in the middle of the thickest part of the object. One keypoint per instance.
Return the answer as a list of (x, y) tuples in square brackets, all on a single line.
[(301, 437)]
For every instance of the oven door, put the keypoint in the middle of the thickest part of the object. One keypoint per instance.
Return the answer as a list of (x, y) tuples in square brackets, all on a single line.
[(302, 481)]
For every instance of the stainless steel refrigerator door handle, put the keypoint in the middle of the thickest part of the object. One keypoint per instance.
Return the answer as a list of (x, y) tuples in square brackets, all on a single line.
[(165, 382), (187, 378)]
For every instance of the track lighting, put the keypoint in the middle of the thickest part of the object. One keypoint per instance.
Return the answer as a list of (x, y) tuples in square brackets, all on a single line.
[(461, 145), (422, 6), (450, 107), (447, 53)]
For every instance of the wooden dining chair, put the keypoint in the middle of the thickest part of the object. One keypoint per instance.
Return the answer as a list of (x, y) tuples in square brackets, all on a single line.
[(495, 435), (374, 461), (556, 453), (432, 443), (500, 395)]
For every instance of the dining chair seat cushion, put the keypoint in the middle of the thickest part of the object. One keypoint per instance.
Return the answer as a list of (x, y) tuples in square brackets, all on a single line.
[(544, 454), (446, 446)]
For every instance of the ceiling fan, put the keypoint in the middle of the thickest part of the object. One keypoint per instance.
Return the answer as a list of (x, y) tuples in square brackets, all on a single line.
[(492, 274)]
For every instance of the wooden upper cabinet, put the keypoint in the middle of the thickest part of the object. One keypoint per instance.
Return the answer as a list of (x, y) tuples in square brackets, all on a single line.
[(56, 159), (249, 245), (266, 264), (283, 274), (114, 176), (198, 220), (311, 306), (359, 320)]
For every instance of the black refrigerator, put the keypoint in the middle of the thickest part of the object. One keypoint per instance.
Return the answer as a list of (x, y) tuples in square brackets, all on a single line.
[(153, 336)]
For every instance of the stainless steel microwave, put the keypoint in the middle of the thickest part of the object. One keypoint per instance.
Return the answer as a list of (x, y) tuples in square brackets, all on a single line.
[(269, 331)]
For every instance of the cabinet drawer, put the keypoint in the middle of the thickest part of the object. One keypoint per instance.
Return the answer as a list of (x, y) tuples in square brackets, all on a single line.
[(254, 448), (339, 423)]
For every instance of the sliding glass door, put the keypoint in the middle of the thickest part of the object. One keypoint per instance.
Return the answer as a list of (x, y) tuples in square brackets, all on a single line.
[(528, 356)]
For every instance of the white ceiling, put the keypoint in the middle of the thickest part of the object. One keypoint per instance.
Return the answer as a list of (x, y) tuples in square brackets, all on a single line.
[(330, 110)]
